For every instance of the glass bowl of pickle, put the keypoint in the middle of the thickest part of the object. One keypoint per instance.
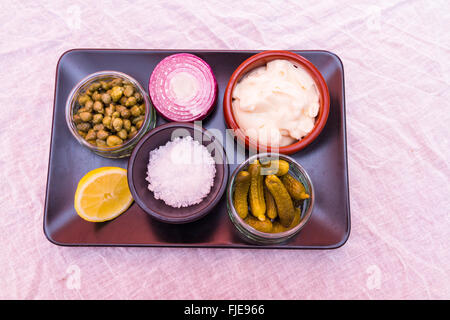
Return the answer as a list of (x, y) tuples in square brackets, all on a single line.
[(270, 198), (108, 112)]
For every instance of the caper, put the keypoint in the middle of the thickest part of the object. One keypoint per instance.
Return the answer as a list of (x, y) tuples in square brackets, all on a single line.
[(133, 132), (135, 111), (107, 121), (82, 133), (105, 85), (106, 98), (115, 114), (86, 116), (98, 107), (110, 110), (120, 108), (81, 110), (117, 124), (116, 93), (116, 82), (131, 101), (127, 125), (99, 127), (76, 119), (100, 143), (84, 126), (128, 91), (122, 134), (91, 135), (97, 118), (142, 108), (123, 100), (112, 141), (94, 86), (96, 96), (102, 134), (83, 99), (89, 105), (125, 113), (139, 124), (138, 96)]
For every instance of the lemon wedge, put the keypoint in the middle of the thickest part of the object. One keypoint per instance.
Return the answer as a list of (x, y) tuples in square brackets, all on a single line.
[(103, 194)]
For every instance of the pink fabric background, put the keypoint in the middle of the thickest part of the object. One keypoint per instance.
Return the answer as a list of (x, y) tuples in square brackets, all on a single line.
[(396, 56)]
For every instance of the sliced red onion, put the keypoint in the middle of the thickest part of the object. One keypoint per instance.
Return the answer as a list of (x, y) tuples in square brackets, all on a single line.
[(183, 88)]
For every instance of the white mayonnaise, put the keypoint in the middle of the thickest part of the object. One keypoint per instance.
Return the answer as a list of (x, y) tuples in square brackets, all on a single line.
[(276, 104)]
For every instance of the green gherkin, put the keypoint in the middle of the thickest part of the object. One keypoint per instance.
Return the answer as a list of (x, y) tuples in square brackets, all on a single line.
[(242, 185), (282, 198)]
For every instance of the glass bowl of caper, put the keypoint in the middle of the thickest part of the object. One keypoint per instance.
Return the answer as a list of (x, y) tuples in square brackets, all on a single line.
[(109, 112), (270, 198)]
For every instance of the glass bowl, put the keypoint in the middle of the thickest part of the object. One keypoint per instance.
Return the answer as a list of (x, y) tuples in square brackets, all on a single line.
[(252, 235), (125, 149)]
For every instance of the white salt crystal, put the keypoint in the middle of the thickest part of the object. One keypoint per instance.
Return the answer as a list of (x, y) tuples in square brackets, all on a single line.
[(181, 173)]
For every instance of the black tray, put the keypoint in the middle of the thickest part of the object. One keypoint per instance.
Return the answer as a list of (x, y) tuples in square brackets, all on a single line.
[(325, 160)]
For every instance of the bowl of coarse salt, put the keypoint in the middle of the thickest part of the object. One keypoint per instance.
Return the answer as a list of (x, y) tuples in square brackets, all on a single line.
[(178, 172)]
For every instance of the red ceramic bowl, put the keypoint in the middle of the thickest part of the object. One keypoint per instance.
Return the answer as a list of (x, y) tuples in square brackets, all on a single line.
[(259, 60)]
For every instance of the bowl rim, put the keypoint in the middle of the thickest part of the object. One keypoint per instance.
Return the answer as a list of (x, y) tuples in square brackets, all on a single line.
[(267, 56), (274, 237), (72, 100), (198, 214)]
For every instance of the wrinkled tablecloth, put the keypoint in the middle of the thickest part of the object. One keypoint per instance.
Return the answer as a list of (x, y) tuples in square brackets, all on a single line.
[(396, 56)]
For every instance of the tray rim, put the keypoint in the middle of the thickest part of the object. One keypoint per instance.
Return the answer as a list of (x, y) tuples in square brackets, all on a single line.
[(285, 246)]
